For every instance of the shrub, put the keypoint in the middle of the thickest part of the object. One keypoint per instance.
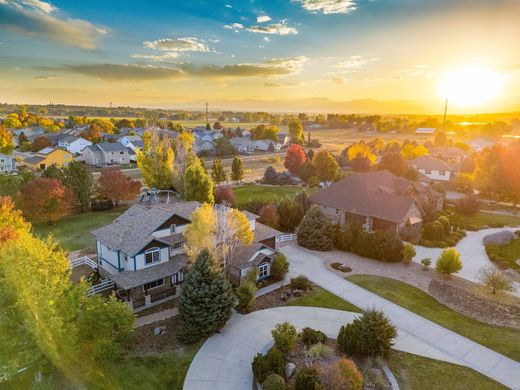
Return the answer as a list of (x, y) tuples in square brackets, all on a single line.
[(300, 283), (446, 225), (448, 262), (347, 235), (271, 363), (245, 294), (307, 379), (285, 336), (351, 373), (408, 252), (279, 267), (224, 194), (311, 336), (426, 262), (269, 216), (274, 382), (290, 212), (433, 231), (499, 238), (410, 233), (320, 351), (372, 334), (315, 230), (254, 205), (382, 245), (314, 181)]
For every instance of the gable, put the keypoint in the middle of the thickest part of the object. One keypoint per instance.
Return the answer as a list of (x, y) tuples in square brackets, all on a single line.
[(174, 220)]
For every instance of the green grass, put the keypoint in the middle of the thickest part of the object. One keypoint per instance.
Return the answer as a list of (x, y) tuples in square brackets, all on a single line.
[(500, 339), (482, 219), (322, 298), (73, 232), (163, 371), (246, 193), (508, 253), (418, 372)]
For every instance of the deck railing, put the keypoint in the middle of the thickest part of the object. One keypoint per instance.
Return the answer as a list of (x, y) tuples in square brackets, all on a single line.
[(103, 285), (84, 260)]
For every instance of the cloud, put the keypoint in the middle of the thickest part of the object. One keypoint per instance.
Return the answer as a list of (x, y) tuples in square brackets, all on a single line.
[(234, 26), (283, 85), (328, 6), (339, 80), (273, 68), (280, 28), (263, 18), (355, 62), (228, 6), (43, 78), (41, 20), (177, 45), (168, 56)]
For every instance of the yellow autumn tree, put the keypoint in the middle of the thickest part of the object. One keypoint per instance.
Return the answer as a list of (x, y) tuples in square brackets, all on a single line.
[(6, 141), (200, 233), (156, 161), (361, 149)]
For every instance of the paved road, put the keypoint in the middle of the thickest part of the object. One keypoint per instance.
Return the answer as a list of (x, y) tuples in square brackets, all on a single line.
[(410, 325)]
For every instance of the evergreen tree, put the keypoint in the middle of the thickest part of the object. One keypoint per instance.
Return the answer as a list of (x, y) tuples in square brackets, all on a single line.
[(53, 172), (237, 169), (79, 179), (197, 183), (315, 230), (206, 299), (218, 174)]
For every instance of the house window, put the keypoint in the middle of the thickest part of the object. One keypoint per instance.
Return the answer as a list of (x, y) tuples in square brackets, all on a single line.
[(178, 245), (442, 173), (154, 284), (263, 271), (121, 152), (173, 227), (152, 255), (178, 277), (428, 171)]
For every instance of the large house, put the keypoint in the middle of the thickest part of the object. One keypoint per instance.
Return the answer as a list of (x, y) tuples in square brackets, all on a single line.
[(106, 153), (479, 144), (46, 157), (450, 154), (7, 164), (69, 142), (433, 168), (143, 250), (377, 200)]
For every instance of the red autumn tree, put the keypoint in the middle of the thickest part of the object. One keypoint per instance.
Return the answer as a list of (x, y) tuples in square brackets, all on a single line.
[(294, 159), (269, 216), (224, 194), (115, 185), (45, 199), (40, 143)]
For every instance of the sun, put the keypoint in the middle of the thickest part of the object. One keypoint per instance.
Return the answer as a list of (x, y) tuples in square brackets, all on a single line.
[(470, 85)]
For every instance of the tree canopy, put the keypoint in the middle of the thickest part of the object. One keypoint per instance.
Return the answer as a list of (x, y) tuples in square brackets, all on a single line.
[(156, 161)]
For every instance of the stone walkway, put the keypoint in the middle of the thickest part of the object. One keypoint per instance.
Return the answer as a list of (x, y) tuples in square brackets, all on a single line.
[(224, 361), (411, 327), (154, 317)]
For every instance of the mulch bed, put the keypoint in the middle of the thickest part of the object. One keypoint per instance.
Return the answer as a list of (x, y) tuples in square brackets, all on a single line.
[(146, 343), (274, 298)]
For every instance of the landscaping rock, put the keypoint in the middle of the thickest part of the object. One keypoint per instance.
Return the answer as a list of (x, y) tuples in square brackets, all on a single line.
[(157, 331), (290, 368), (499, 238)]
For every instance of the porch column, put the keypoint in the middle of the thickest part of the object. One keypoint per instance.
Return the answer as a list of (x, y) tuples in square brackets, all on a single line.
[(147, 300)]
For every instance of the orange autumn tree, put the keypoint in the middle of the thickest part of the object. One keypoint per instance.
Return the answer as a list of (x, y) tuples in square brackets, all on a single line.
[(115, 185), (11, 221), (294, 159), (45, 199)]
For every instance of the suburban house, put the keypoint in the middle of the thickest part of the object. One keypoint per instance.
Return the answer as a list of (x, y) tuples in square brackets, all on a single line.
[(71, 143), (450, 154), (106, 153), (377, 200), (433, 168), (479, 144), (132, 141), (143, 251), (46, 157), (7, 164), (247, 145), (203, 146)]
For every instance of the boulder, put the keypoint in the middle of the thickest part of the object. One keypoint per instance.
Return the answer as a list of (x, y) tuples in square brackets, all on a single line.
[(157, 331), (290, 368)]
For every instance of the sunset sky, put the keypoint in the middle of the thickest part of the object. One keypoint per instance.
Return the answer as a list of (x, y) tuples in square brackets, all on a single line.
[(238, 54)]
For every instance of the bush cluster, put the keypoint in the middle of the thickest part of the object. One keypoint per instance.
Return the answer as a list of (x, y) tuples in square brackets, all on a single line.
[(307, 379), (441, 234), (274, 382), (320, 351), (285, 336), (300, 283), (342, 374), (279, 267), (311, 336), (493, 252), (278, 178), (271, 363)]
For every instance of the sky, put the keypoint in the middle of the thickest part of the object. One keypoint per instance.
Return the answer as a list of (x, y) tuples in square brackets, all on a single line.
[(293, 55)]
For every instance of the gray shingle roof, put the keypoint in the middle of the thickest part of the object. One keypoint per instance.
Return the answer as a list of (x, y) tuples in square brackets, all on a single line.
[(111, 147), (429, 162), (264, 232)]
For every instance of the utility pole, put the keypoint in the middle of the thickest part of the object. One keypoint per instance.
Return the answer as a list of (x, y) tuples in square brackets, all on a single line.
[(207, 117), (444, 120)]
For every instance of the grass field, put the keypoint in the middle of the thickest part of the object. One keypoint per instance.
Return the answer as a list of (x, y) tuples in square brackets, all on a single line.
[(322, 298), (503, 340), (267, 193), (417, 372), (73, 232), (482, 219), (510, 252)]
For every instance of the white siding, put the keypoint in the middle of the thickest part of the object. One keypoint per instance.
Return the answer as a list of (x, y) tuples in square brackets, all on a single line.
[(140, 263), (108, 258), (435, 174)]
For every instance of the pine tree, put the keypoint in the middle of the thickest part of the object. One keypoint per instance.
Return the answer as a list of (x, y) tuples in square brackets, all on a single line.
[(237, 169), (315, 230), (197, 184), (218, 174), (206, 299), (80, 180)]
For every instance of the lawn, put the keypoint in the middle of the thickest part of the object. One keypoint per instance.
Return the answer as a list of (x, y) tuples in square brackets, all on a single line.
[(246, 193), (418, 372), (322, 298), (506, 255), (501, 339), (73, 232), (482, 219), (163, 371)]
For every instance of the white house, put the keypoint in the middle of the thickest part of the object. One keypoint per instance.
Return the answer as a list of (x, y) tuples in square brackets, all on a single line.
[(479, 144), (433, 168), (7, 164), (73, 144), (132, 142)]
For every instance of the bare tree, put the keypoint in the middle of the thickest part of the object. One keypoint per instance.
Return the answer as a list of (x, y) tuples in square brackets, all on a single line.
[(492, 278)]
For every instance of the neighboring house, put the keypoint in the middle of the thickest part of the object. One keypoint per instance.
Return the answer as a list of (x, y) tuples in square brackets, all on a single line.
[(479, 144), (425, 130), (243, 144), (132, 141), (450, 154), (433, 168), (203, 146), (7, 164), (106, 153), (143, 250), (376, 200), (73, 144), (46, 157)]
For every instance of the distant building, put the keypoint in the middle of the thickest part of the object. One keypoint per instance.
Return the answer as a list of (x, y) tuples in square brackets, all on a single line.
[(433, 168), (46, 157), (425, 130), (450, 154), (106, 153), (479, 144), (7, 164), (71, 143), (132, 141)]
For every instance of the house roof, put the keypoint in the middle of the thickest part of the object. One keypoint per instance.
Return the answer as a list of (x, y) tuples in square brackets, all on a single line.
[(263, 232), (243, 256), (448, 151), (130, 279), (377, 194), (46, 151), (111, 147), (432, 163), (34, 160)]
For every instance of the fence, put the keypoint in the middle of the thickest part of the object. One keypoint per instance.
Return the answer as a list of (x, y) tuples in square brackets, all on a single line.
[(286, 237), (103, 285), (83, 260)]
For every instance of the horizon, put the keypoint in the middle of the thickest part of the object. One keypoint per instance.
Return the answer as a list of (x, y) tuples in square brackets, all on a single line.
[(380, 56)]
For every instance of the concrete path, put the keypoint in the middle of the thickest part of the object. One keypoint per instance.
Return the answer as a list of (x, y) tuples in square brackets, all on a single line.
[(434, 339), (224, 361), (154, 317), (472, 254)]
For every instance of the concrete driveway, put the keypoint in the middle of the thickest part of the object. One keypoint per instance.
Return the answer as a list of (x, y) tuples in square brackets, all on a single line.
[(472, 254)]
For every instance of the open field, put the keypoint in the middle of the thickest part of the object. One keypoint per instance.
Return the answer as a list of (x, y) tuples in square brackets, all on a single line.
[(418, 372), (73, 232), (267, 193), (510, 252), (500, 339), (483, 219)]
